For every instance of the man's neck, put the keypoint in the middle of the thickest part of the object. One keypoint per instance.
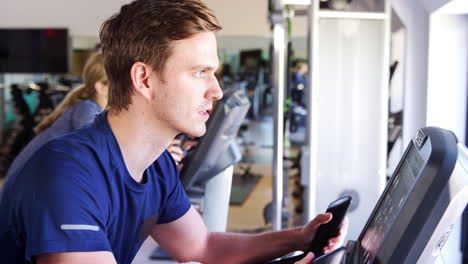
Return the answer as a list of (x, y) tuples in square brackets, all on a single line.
[(141, 141)]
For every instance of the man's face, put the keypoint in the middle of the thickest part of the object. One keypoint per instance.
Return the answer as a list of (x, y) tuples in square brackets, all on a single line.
[(184, 98)]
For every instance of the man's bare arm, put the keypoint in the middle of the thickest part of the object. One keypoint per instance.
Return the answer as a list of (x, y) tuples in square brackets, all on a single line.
[(187, 239), (102, 257)]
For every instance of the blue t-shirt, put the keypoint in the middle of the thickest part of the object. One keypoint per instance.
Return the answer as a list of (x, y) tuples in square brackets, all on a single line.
[(76, 194), (79, 114)]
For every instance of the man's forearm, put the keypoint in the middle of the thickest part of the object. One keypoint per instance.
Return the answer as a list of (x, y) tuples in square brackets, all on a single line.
[(241, 248)]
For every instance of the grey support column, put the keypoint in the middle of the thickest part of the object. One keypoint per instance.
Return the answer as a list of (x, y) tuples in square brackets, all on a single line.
[(308, 165), (279, 64), (216, 201)]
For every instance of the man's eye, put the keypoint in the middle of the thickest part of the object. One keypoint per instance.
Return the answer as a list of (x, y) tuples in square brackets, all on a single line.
[(200, 74)]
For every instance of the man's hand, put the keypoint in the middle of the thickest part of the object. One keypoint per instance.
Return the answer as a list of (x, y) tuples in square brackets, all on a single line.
[(189, 144), (307, 259), (310, 230), (176, 151), (337, 242)]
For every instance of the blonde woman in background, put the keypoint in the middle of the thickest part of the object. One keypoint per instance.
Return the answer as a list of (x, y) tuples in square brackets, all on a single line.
[(78, 108)]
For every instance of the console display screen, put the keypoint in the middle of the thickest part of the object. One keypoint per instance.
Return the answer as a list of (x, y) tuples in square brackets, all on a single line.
[(34, 50), (391, 204)]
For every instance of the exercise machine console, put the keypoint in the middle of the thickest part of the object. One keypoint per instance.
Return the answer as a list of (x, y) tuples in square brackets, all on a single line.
[(418, 209)]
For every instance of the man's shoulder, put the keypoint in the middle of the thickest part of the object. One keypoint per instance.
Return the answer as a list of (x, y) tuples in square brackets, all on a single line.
[(85, 146), (63, 162), (85, 139)]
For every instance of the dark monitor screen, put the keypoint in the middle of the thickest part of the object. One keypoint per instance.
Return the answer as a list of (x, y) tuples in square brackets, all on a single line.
[(391, 204), (212, 154), (250, 60), (34, 50)]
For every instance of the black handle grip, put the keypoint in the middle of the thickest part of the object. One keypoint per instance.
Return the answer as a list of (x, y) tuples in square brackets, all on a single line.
[(326, 231)]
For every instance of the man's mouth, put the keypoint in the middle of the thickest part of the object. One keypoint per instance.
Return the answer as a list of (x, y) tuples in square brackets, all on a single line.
[(204, 114), (206, 110)]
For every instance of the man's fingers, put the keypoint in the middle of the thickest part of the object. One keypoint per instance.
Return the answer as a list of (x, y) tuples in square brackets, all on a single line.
[(175, 150), (329, 248), (176, 157), (311, 228), (337, 241), (176, 153), (344, 227), (342, 232), (322, 219), (307, 259), (175, 142), (190, 144)]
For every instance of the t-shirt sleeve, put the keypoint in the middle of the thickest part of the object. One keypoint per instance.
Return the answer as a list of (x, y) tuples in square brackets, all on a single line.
[(177, 202), (83, 114), (64, 212)]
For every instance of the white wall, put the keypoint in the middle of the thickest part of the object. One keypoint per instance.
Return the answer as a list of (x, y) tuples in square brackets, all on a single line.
[(447, 82), (242, 17), (84, 17), (454, 7), (416, 20), (433, 5)]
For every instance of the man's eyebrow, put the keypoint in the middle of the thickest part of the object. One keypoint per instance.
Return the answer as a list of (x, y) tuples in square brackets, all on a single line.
[(204, 67)]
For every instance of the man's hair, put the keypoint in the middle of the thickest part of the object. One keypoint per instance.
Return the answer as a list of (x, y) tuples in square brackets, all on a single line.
[(142, 32)]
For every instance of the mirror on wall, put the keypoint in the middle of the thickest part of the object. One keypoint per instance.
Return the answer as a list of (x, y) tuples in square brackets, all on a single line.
[(396, 93)]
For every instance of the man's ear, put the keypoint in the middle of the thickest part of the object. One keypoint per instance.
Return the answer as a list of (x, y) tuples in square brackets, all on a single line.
[(140, 74)]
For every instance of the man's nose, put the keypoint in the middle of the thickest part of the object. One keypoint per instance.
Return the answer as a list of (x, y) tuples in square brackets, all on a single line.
[(216, 93)]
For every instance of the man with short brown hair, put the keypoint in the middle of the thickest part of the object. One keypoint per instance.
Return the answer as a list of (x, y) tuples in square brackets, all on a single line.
[(143, 31), (94, 196)]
